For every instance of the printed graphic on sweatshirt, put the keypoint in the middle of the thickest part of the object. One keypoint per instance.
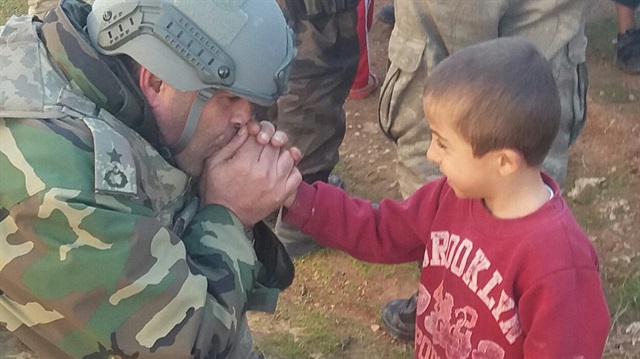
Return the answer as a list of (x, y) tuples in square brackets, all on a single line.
[(449, 329)]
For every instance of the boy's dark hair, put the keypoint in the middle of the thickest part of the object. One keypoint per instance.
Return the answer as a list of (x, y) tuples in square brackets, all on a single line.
[(501, 94)]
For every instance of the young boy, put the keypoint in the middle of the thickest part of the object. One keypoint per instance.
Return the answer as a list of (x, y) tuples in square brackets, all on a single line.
[(507, 272)]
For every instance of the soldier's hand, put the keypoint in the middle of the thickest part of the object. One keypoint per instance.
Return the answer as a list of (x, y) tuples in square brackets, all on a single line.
[(250, 178), (266, 133)]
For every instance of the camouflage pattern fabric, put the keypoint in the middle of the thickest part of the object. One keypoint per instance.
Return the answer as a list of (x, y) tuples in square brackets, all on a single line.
[(39, 8), (425, 32), (296, 10), (321, 76), (89, 265), (629, 3), (311, 113)]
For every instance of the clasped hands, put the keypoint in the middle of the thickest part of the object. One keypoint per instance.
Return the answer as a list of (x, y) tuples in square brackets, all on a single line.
[(253, 175)]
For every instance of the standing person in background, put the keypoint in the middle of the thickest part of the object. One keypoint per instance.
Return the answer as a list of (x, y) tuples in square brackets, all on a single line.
[(123, 232), (628, 42), (386, 14), (425, 32), (366, 81), (312, 112)]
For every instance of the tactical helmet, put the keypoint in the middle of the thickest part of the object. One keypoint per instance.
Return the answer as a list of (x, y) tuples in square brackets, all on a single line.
[(243, 46)]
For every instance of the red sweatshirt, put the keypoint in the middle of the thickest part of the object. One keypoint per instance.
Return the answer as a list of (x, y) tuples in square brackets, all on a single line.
[(490, 288)]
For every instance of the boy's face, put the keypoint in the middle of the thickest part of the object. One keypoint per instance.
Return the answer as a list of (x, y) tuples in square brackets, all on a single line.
[(469, 176)]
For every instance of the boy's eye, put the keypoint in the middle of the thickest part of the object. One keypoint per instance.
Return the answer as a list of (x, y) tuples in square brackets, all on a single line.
[(440, 144)]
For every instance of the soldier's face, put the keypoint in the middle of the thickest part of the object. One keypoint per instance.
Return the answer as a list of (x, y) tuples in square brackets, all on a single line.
[(220, 119)]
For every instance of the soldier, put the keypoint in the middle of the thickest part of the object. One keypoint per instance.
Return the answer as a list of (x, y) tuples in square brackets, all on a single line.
[(321, 77), (122, 231)]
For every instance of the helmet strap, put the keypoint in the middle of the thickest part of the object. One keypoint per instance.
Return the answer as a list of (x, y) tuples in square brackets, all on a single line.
[(189, 129)]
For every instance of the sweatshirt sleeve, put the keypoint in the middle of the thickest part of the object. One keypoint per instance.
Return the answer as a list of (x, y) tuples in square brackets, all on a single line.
[(88, 275), (391, 232), (565, 315)]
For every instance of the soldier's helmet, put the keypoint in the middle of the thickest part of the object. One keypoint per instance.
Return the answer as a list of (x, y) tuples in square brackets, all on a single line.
[(242, 46)]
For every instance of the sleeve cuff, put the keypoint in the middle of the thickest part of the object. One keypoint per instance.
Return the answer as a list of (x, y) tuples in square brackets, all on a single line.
[(302, 209)]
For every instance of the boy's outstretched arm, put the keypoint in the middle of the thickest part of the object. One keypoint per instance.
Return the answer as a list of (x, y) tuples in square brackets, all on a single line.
[(393, 232)]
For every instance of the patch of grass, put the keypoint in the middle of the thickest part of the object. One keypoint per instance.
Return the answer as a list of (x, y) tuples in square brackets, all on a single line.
[(600, 35), (612, 91), (589, 220), (371, 270), (317, 338), (629, 294), (339, 168), (621, 179), (617, 185), (623, 292), (320, 317), (318, 334), (620, 268), (285, 345), (600, 48), (11, 7)]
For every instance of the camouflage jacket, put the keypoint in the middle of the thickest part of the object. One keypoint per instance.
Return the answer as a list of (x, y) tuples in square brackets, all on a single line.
[(425, 32), (89, 264), (295, 10)]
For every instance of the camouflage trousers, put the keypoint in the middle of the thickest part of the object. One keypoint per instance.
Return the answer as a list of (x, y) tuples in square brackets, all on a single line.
[(11, 347), (321, 76), (426, 32), (311, 113)]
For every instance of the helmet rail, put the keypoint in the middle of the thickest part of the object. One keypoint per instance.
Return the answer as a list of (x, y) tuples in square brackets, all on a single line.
[(127, 20)]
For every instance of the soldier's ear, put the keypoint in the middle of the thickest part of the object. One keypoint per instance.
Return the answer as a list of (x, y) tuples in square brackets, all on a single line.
[(150, 85)]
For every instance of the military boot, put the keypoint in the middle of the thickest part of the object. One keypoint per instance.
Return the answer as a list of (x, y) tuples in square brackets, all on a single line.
[(628, 51), (398, 318)]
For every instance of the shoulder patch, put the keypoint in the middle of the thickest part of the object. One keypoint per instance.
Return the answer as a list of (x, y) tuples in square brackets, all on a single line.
[(115, 170)]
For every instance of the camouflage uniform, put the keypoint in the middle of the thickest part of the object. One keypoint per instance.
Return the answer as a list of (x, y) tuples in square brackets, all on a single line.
[(93, 260), (427, 31), (633, 4), (321, 77), (39, 8)]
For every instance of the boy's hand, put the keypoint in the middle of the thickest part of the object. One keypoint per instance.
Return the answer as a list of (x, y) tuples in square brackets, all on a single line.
[(266, 133), (252, 176)]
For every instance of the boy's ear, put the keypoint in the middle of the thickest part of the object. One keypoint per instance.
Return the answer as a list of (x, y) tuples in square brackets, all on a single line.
[(509, 161)]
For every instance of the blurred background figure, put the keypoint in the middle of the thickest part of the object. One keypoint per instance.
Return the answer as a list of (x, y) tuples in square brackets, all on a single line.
[(628, 44), (321, 76), (366, 81), (386, 14)]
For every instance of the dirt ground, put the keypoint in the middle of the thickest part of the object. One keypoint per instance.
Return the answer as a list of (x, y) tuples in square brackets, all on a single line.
[(332, 309)]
